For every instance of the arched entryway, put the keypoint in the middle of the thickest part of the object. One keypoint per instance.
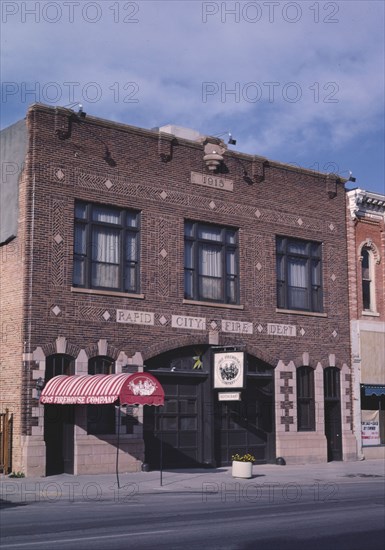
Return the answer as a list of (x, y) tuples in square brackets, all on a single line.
[(333, 426), (197, 429), (59, 422)]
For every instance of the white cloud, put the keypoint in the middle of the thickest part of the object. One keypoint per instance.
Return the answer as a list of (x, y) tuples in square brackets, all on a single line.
[(170, 52)]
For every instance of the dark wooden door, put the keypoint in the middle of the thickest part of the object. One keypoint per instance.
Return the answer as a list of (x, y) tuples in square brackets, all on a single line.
[(246, 426), (177, 426), (59, 439), (333, 427), (333, 430)]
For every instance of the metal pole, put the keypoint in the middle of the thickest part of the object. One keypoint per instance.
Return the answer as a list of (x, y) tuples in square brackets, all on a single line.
[(117, 449), (161, 450)]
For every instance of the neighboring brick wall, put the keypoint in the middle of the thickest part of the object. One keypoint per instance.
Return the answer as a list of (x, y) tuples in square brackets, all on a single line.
[(13, 371)]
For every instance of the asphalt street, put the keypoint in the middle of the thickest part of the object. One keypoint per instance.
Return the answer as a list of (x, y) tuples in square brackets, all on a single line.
[(335, 506)]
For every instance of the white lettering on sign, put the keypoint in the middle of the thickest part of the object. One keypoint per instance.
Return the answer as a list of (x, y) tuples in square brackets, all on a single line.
[(281, 330), (216, 182), (194, 323), (227, 396), (239, 327), (134, 317)]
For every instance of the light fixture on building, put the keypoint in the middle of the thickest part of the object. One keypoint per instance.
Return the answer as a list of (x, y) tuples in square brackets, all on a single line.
[(39, 385), (231, 141)]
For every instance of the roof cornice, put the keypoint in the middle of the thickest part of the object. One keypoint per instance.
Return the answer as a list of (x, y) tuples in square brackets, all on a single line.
[(363, 203)]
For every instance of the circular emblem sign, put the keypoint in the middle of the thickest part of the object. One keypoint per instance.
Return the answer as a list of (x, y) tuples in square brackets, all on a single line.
[(228, 370)]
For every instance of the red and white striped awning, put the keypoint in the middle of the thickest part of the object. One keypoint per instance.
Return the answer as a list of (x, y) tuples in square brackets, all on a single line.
[(139, 388)]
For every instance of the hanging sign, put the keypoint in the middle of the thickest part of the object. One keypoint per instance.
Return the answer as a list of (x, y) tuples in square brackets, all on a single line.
[(229, 396), (228, 370), (370, 428)]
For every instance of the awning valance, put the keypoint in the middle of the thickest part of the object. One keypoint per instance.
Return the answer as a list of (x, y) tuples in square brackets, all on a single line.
[(139, 388), (374, 390)]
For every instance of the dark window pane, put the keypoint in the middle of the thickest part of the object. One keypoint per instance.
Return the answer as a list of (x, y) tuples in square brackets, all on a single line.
[(209, 232), (131, 219), (105, 275), (299, 274), (211, 263), (105, 251), (80, 239), (80, 210), (79, 274), (366, 294), (105, 214), (297, 247), (188, 254)]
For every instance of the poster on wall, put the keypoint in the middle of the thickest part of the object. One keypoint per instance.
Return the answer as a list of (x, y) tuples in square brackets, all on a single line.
[(228, 370), (370, 428)]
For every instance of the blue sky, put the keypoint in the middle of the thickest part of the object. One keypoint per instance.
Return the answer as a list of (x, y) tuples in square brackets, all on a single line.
[(298, 82)]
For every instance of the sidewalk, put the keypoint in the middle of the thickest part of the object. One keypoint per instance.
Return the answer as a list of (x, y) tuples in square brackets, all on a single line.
[(131, 485)]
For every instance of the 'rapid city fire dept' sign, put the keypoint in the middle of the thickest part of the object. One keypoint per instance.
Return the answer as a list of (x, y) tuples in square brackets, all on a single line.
[(228, 370)]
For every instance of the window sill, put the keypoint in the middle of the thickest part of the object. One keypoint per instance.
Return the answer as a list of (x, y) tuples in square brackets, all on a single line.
[(299, 312), (212, 304), (370, 313), (106, 293)]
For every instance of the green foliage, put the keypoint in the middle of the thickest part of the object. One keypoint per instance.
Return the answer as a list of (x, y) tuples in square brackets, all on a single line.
[(243, 458), (17, 474)]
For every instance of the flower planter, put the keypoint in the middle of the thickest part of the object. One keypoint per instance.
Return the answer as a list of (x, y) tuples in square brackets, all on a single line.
[(242, 469)]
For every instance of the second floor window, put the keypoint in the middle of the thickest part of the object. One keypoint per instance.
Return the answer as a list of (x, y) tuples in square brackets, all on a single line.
[(106, 248), (211, 263), (299, 274), (367, 298)]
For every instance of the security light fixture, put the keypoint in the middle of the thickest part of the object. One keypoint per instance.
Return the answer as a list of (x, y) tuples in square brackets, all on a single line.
[(39, 385), (231, 141), (351, 178)]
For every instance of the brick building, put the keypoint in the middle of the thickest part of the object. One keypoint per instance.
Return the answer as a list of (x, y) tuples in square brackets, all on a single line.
[(366, 252), (221, 273)]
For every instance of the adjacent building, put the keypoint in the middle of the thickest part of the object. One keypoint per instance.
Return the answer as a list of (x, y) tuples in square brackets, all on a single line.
[(366, 246), (222, 274)]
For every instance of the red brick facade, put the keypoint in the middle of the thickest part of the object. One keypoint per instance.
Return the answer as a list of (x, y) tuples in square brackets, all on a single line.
[(74, 158), (365, 231)]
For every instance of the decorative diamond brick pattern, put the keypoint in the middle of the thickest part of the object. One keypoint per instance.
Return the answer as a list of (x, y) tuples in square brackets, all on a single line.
[(163, 274), (57, 250)]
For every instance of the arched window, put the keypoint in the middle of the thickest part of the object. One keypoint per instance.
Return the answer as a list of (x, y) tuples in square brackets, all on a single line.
[(305, 399), (101, 418), (367, 280), (58, 364)]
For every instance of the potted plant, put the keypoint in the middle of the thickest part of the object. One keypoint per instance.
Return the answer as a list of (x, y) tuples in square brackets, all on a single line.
[(242, 465)]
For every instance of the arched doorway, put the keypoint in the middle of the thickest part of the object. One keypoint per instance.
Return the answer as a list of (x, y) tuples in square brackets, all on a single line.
[(59, 422), (195, 428), (333, 427)]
